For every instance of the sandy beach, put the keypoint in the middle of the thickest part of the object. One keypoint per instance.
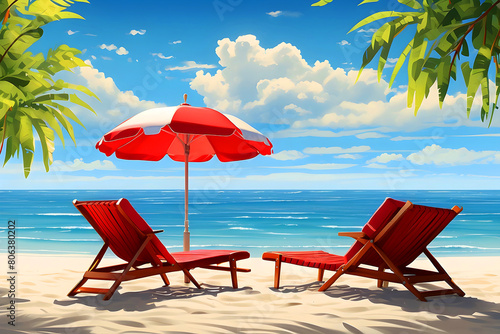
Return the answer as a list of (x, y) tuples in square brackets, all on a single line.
[(352, 305)]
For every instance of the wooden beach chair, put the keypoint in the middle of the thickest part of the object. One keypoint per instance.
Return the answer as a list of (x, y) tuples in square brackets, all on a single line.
[(393, 238), (130, 238)]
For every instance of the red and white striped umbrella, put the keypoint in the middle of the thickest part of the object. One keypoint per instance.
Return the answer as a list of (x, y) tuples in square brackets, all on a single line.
[(184, 133)]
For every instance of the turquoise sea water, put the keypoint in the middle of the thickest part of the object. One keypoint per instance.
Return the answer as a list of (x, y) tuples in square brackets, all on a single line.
[(257, 221)]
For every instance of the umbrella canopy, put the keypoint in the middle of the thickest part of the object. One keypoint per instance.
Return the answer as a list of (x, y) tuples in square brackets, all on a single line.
[(184, 133)]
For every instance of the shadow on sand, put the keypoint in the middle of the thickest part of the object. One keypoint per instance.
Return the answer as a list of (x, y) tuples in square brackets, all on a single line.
[(450, 314)]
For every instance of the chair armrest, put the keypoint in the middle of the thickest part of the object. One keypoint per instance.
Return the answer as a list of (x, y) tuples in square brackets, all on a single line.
[(157, 231), (355, 235)]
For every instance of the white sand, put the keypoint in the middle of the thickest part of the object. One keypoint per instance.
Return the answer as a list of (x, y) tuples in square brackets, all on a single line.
[(352, 305)]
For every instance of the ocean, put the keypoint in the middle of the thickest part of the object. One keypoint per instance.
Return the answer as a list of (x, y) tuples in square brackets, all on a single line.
[(256, 221)]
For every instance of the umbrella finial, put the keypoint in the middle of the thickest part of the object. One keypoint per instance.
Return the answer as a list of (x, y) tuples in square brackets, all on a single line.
[(185, 98)]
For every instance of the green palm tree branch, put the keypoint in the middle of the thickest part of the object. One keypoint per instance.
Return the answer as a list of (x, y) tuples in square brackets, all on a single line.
[(30, 97), (444, 31), (35, 33)]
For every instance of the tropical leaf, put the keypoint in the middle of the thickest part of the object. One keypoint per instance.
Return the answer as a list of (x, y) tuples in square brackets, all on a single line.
[(477, 76), (29, 95), (445, 30), (367, 1), (27, 142), (411, 3), (321, 3), (375, 17)]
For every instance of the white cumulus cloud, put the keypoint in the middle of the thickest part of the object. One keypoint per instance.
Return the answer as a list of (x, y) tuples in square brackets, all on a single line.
[(437, 155), (119, 50), (161, 56), (137, 32), (386, 157), (320, 166), (277, 85), (336, 150), (71, 32), (110, 47), (344, 42), (370, 135), (283, 13), (189, 65), (401, 138), (79, 164), (122, 51), (288, 155), (348, 156), (114, 105)]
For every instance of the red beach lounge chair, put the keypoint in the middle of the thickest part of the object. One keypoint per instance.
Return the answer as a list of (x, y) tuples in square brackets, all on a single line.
[(130, 238), (393, 238)]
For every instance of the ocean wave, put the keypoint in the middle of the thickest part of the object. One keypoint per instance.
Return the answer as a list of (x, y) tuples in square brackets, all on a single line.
[(280, 200), (446, 237), (71, 227), (216, 245), (336, 226), (480, 214), (19, 227), (301, 246), (239, 217), (277, 212), (283, 217), (179, 225), (474, 220), (465, 247), (202, 246), (63, 240), (55, 251), (57, 214), (243, 228), (278, 233)]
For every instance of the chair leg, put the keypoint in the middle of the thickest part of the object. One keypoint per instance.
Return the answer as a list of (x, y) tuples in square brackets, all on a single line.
[(455, 287), (165, 279), (332, 279), (277, 272), (112, 290), (234, 277), (381, 283), (321, 272), (403, 279), (441, 270), (188, 275), (94, 265), (78, 286)]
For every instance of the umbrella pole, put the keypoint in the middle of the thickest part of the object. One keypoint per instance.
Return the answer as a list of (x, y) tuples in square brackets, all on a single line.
[(186, 203)]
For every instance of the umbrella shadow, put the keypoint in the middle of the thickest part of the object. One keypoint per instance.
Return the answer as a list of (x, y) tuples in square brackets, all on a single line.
[(140, 301)]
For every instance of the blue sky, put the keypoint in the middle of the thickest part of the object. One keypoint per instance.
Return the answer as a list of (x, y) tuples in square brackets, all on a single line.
[(286, 68)]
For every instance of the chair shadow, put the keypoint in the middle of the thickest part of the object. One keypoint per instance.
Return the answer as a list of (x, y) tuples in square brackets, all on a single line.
[(462, 314), (445, 305), (139, 301)]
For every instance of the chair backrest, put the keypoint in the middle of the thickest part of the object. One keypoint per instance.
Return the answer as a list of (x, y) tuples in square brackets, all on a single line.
[(389, 208), (124, 229), (414, 232), (409, 237)]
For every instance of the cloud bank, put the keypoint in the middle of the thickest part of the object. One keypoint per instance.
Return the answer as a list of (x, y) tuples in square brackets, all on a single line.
[(277, 85)]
